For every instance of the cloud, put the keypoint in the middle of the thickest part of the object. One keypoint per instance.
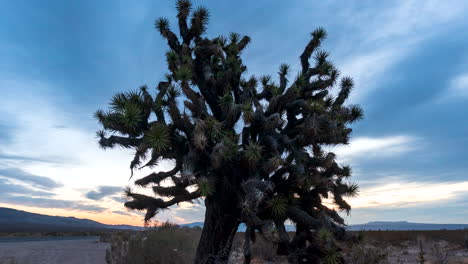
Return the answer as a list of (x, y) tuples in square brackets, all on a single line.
[(401, 19), (459, 86), (25, 158), (103, 191), (386, 37), (36, 181), (118, 199), (49, 203), (122, 213), (378, 147), (407, 194), (9, 188)]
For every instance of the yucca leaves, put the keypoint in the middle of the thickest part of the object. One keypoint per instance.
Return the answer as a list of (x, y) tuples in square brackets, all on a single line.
[(118, 102), (279, 206), (199, 20), (346, 171), (352, 190), (284, 69), (324, 235), (234, 37), (99, 115), (172, 92), (230, 148), (319, 33), (101, 133), (214, 128), (265, 79), (183, 74), (183, 7), (347, 82), (201, 15), (253, 152), (333, 256), (221, 40), (205, 187), (356, 113), (132, 115), (272, 164), (317, 106), (321, 56), (158, 137), (226, 101), (162, 25), (300, 80), (247, 113), (171, 58)]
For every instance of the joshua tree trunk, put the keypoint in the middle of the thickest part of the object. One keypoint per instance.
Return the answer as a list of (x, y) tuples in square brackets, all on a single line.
[(221, 222)]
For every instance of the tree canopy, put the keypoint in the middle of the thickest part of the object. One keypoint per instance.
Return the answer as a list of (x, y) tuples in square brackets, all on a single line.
[(254, 148)]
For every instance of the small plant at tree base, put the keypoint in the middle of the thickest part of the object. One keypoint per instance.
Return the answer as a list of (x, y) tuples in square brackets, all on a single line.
[(466, 239), (254, 149), (440, 253), (365, 254), (421, 259)]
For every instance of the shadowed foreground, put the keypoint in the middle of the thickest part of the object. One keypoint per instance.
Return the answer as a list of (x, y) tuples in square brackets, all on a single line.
[(177, 245), (85, 251)]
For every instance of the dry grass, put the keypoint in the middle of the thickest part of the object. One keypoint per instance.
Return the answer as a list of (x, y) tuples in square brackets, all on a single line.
[(172, 244), (166, 244), (12, 260)]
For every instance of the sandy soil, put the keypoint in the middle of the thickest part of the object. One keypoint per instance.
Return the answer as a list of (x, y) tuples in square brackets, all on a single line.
[(55, 252)]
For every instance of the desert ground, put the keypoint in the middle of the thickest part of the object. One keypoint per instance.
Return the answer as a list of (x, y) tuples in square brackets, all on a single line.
[(178, 245), (85, 251)]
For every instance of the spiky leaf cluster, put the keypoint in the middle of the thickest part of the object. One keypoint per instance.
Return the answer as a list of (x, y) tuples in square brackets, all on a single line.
[(260, 141)]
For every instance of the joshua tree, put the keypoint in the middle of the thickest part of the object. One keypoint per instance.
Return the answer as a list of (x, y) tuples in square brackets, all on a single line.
[(252, 148)]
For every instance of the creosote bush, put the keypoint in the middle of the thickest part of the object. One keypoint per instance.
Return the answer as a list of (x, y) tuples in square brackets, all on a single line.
[(164, 244)]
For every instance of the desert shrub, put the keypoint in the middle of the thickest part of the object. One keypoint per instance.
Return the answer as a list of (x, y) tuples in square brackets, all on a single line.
[(396, 237), (364, 254), (168, 244), (440, 253), (466, 239), (421, 258)]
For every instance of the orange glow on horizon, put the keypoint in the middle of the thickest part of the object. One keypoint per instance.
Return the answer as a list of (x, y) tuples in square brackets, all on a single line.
[(108, 218)]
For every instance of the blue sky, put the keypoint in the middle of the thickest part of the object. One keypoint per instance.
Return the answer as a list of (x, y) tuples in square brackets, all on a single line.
[(63, 60)]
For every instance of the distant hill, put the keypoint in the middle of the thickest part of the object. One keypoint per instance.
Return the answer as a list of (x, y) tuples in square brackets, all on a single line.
[(403, 225), (12, 220), (241, 228), (377, 225)]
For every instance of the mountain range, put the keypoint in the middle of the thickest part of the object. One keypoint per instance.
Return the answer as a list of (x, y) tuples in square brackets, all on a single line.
[(12, 220)]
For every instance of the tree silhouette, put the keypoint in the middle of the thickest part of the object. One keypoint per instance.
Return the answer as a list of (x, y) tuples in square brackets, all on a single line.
[(252, 148)]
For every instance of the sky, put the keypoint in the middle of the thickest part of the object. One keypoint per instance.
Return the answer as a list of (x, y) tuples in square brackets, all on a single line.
[(63, 60)]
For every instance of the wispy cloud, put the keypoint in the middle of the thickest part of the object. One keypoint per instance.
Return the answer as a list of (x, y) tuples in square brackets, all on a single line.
[(123, 213), (378, 147), (35, 180), (386, 37), (103, 191), (9, 188), (458, 86), (83, 165), (49, 203), (50, 131), (406, 193)]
